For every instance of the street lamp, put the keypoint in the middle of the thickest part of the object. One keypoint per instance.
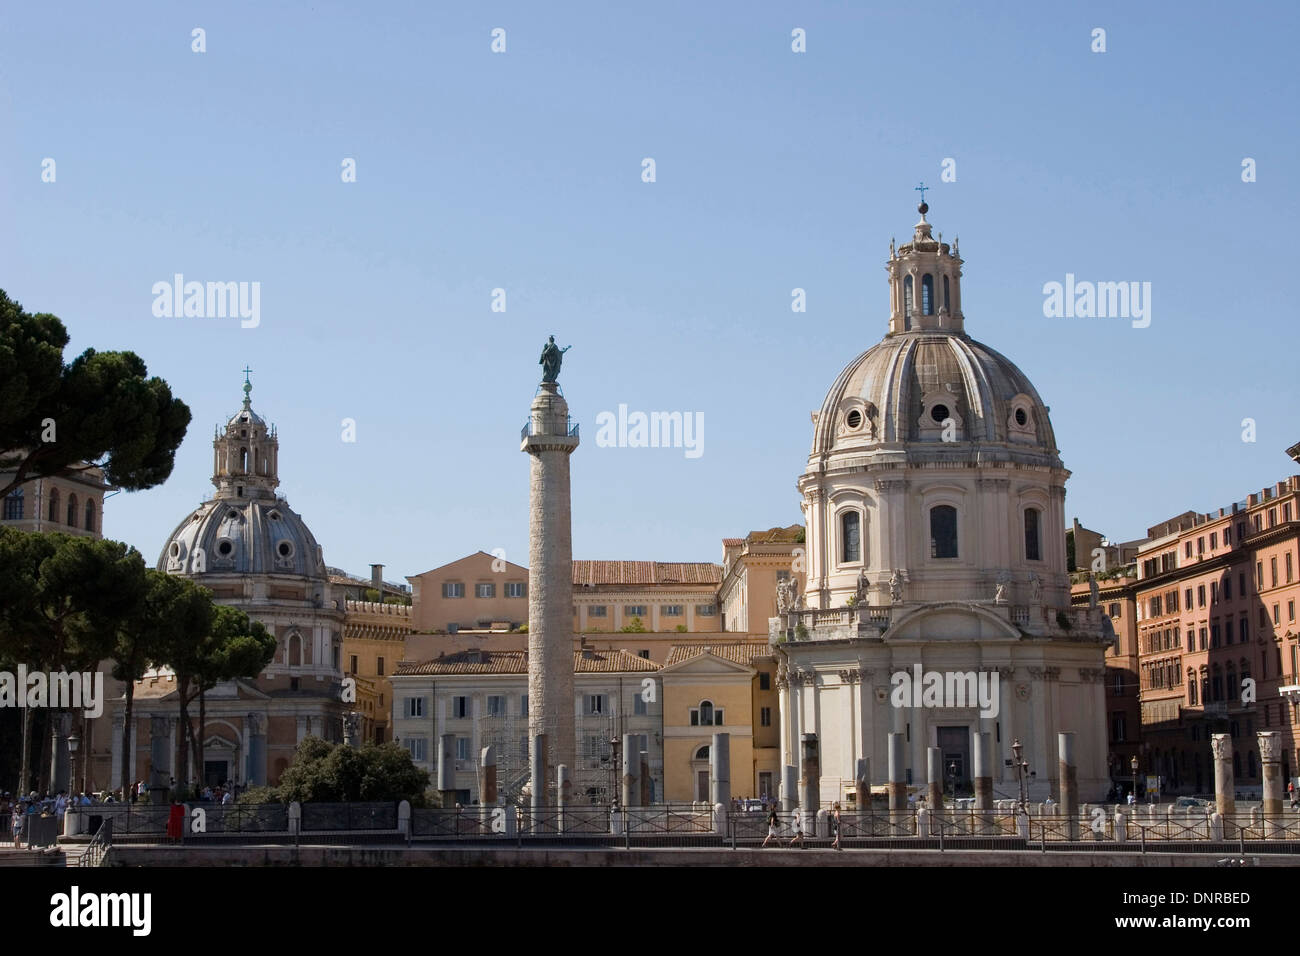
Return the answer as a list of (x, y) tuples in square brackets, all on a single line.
[(1021, 766), (1133, 764), (952, 772)]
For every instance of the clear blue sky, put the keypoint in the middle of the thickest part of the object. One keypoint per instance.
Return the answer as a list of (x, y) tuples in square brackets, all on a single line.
[(775, 170)]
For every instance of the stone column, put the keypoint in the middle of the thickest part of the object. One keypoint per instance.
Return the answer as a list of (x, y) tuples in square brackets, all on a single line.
[(897, 781), (1270, 758), (537, 764), (563, 789), (982, 777), (810, 798), (1069, 774), (447, 770), (487, 777), (862, 778), (548, 443), (934, 778), (632, 770), (255, 775), (60, 759), (720, 770), (789, 788), (1224, 798)]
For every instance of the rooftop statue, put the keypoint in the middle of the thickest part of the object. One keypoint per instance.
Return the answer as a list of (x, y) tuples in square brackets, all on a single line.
[(552, 356)]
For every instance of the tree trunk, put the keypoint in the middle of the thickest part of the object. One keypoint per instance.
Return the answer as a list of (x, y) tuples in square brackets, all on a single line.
[(126, 775), (25, 767), (203, 731), (182, 745)]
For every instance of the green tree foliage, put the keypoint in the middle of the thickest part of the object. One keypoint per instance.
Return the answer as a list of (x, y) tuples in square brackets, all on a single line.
[(1069, 551), (322, 772), (633, 626), (104, 409)]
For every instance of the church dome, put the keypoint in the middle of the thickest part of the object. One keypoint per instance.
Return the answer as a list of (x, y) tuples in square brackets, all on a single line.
[(931, 385), (241, 536), (246, 528)]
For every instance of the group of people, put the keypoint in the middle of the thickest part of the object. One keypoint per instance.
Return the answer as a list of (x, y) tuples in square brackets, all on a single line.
[(796, 825), (48, 806)]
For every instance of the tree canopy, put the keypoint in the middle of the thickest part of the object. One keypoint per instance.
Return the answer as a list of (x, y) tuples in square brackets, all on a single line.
[(332, 773), (101, 409)]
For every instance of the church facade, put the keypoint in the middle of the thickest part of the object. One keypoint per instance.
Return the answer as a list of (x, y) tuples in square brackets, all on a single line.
[(252, 551), (934, 505)]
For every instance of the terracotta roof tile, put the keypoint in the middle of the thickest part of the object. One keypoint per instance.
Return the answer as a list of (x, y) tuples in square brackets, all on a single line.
[(516, 662), (646, 572), (741, 652)]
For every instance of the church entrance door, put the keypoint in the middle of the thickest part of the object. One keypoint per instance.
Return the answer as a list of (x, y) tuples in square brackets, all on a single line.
[(954, 744)]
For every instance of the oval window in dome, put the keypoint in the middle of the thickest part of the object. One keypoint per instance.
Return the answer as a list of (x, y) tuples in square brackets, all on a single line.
[(1021, 417), (225, 548), (854, 419), (939, 413), (285, 549)]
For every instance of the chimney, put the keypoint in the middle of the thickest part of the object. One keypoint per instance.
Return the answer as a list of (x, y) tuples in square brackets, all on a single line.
[(377, 579)]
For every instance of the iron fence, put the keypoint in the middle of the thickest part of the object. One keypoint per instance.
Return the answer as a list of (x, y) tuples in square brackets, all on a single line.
[(347, 817)]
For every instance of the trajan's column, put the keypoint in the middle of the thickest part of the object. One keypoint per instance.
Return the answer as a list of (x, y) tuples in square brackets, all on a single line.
[(550, 439)]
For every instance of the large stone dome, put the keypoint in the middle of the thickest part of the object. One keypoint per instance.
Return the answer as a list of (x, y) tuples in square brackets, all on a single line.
[(905, 388), (242, 536)]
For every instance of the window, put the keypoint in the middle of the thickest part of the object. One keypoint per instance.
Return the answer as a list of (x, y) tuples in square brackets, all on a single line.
[(1227, 631), (927, 294), (90, 515), (1187, 549), (1214, 592), (1214, 634), (1272, 517), (1187, 599), (294, 650), (1227, 588), (907, 296), (460, 707), (1241, 583), (946, 305), (1289, 571), (1244, 630), (488, 590), (598, 610), (1276, 618), (1259, 575), (462, 748), (523, 705), (943, 531), (417, 747), (671, 610), (1290, 610), (1032, 537), (496, 705), (1227, 536), (413, 707), (1214, 540), (1191, 691), (634, 610), (1200, 545), (705, 715), (1202, 638), (1200, 595), (453, 589), (1272, 566), (352, 664), (379, 666), (14, 506), (764, 680), (639, 706), (644, 653), (705, 610), (850, 536), (765, 717), (516, 589), (1286, 512), (54, 505), (595, 704)]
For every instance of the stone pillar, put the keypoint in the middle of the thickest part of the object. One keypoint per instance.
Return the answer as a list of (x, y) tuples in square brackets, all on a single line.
[(632, 771), (255, 771), (1224, 798), (897, 781), (537, 765), (982, 771), (351, 728), (563, 790), (487, 777), (720, 770), (862, 778), (644, 763), (1270, 758), (548, 443), (810, 798), (159, 759), (60, 758), (1069, 774), (934, 779), (789, 788), (447, 770)]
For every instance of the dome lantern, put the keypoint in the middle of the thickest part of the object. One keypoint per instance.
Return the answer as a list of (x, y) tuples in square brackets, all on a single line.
[(245, 455), (924, 282)]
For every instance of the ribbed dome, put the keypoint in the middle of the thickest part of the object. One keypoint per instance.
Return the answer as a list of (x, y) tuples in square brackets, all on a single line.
[(909, 385), (240, 536)]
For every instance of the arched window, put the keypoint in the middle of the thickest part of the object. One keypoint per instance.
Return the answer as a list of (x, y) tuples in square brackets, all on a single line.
[(90, 514), (1250, 763), (702, 753), (907, 296), (1191, 688), (72, 511), (850, 536), (943, 531), (706, 713), (1033, 540), (54, 505), (14, 505), (243, 461), (295, 650), (927, 294), (946, 304)]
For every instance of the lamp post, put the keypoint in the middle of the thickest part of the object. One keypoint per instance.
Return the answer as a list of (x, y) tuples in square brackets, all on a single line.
[(1021, 766), (1133, 765), (952, 772)]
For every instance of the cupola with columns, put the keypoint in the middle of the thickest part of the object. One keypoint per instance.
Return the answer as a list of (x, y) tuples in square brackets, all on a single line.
[(924, 281), (245, 457)]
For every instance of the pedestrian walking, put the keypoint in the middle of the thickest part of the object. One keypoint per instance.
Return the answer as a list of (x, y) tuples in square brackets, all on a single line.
[(835, 827), (796, 824), (773, 824)]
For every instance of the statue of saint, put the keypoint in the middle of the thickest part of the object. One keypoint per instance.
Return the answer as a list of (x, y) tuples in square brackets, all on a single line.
[(896, 588), (1036, 588), (552, 356)]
